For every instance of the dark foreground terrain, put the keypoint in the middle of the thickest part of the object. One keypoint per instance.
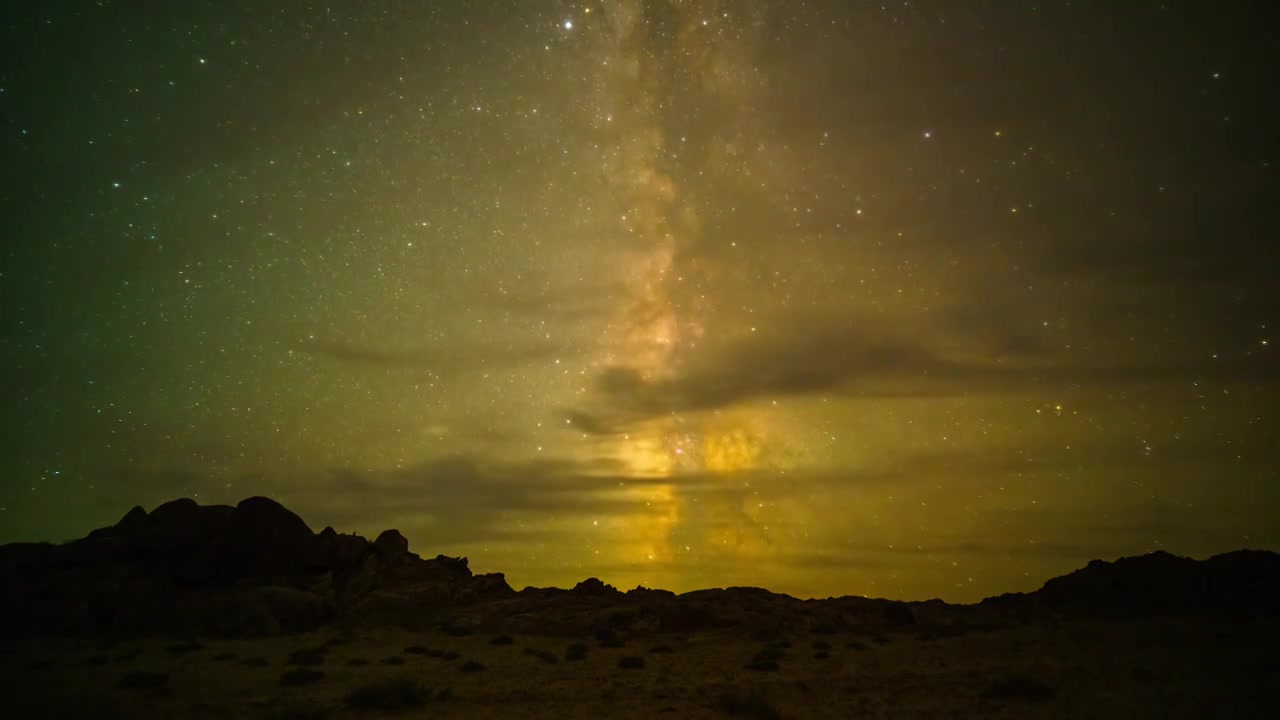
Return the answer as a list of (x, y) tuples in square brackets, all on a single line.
[(217, 612)]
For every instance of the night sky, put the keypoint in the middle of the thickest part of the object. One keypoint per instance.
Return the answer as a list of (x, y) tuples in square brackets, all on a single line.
[(898, 299)]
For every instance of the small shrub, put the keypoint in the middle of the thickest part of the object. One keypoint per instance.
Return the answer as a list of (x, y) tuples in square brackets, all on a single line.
[(765, 660), (880, 639), (299, 677), (821, 645), (394, 694), (631, 662), (821, 655), (608, 638), (357, 662), (750, 704), (576, 651), (502, 640), (1017, 686), (662, 650), (393, 660), (458, 631), (824, 629), (142, 680), (183, 648), (450, 656), (305, 711), (306, 658), (857, 645), (255, 662), (416, 650), (783, 644), (545, 656), (223, 657), (472, 666)]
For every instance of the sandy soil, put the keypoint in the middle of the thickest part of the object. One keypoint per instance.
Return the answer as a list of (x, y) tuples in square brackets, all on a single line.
[(1153, 669)]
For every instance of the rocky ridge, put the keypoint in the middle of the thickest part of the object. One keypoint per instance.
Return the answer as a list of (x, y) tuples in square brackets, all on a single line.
[(258, 569)]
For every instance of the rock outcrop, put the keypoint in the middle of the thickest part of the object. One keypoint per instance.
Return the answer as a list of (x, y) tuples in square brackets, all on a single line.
[(257, 568)]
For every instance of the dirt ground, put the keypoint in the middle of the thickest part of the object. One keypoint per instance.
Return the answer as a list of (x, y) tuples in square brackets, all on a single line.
[(1152, 669)]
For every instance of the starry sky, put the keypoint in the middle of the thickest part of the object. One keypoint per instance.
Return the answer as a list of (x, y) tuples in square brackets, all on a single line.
[(898, 299)]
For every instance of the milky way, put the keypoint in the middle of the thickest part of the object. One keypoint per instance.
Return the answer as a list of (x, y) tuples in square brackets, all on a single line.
[(896, 299)]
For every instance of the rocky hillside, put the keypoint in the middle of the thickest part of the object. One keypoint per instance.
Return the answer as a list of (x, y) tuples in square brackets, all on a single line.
[(257, 569)]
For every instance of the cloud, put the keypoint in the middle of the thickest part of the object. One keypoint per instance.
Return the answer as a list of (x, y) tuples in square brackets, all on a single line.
[(825, 355)]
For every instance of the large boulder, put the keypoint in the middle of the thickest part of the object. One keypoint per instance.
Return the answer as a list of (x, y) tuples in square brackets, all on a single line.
[(391, 543), (262, 538)]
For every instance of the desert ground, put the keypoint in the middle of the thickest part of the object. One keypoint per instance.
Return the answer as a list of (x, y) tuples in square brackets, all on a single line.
[(1075, 669)]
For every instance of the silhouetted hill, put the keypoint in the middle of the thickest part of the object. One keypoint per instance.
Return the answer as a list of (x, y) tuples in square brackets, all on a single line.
[(258, 569)]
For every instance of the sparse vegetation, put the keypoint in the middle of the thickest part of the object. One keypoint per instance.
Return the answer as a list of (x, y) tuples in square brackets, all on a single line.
[(416, 650), (1017, 686), (631, 662), (393, 660), (357, 662), (765, 660), (608, 638), (458, 630), (821, 645), (545, 656), (502, 640), (821, 655), (576, 651), (748, 703), (662, 650), (472, 666), (449, 656), (183, 648), (223, 657), (857, 645), (255, 662), (142, 680), (301, 711), (393, 694), (302, 676), (308, 657), (824, 629)]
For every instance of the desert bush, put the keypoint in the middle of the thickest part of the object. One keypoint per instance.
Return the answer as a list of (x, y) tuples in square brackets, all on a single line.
[(765, 660), (502, 640), (608, 638), (394, 694), (631, 662), (472, 666), (393, 660), (142, 680), (821, 645), (545, 656), (357, 662), (1017, 686), (576, 651), (183, 648), (301, 711), (308, 657), (662, 650), (222, 657), (299, 677), (96, 660), (748, 703), (255, 662), (821, 655)]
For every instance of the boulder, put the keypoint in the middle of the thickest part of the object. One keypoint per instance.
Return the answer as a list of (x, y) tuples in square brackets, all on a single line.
[(392, 543)]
